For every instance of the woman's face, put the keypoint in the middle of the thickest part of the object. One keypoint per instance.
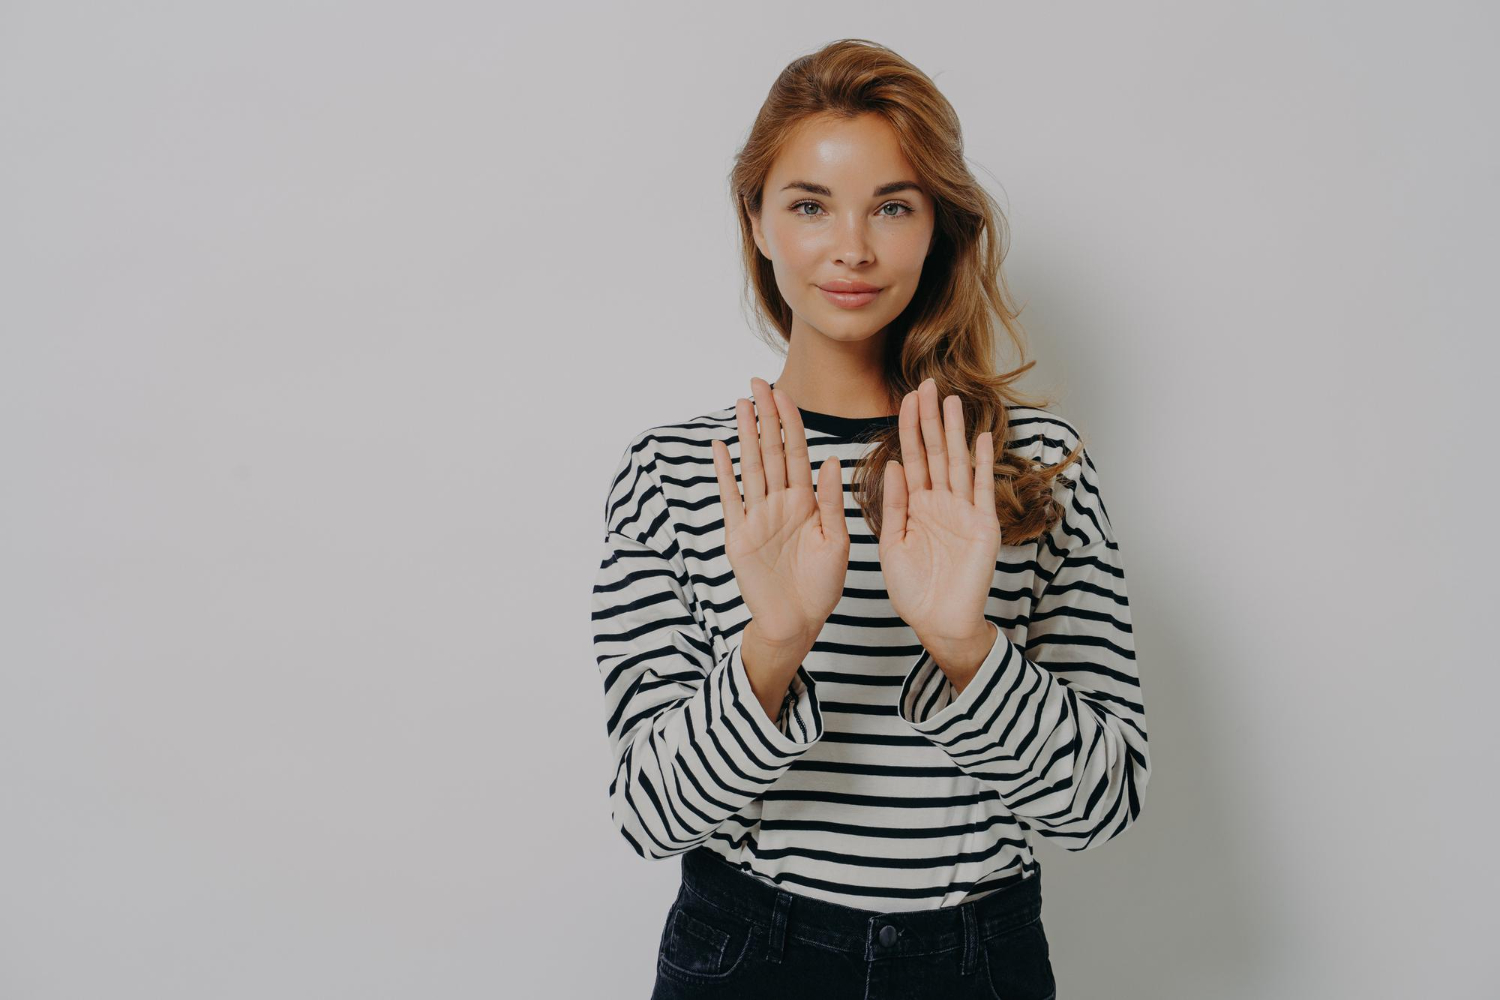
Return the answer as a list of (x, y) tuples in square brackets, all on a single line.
[(841, 205)]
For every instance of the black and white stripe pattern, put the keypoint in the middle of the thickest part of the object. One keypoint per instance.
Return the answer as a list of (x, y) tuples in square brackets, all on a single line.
[(875, 787)]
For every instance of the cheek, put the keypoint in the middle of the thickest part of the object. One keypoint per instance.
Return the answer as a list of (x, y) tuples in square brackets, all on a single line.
[(801, 252), (907, 251)]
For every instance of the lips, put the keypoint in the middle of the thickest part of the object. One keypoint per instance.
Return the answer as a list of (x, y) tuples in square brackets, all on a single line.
[(845, 285), (848, 299)]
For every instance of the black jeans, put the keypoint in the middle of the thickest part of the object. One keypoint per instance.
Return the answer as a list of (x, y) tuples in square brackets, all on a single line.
[(730, 935)]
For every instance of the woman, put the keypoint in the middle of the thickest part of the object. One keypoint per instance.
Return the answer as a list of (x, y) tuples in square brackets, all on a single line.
[(846, 722)]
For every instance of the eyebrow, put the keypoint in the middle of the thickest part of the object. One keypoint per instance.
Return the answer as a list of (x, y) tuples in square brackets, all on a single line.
[(880, 191)]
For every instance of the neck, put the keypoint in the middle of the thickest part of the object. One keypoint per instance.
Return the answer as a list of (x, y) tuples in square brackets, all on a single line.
[(840, 378)]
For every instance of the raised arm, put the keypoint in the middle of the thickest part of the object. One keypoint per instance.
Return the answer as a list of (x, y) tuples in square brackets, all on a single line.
[(1057, 729), (691, 740)]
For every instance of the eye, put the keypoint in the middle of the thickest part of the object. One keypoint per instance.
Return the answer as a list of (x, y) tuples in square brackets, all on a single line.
[(908, 210)]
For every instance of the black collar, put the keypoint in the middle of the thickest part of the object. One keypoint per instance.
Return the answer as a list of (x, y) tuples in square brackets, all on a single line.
[(846, 427)]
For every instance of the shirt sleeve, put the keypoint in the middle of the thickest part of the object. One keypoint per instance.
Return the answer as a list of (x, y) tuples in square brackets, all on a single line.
[(690, 742), (1057, 729)]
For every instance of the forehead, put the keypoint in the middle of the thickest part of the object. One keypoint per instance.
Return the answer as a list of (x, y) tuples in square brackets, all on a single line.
[(848, 155)]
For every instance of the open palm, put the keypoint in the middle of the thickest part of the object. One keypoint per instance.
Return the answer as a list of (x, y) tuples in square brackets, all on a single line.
[(788, 546), (940, 535)]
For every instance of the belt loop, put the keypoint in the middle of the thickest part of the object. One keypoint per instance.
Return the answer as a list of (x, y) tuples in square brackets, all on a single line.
[(777, 935), (970, 960)]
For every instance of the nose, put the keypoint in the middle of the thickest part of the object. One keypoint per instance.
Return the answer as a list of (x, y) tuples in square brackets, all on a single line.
[(853, 255), (856, 244)]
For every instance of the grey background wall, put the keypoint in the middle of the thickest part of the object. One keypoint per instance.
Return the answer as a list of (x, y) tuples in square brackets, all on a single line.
[(325, 322)]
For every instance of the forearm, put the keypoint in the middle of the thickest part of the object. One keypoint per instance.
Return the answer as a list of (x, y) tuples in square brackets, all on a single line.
[(1070, 758), (770, 666)]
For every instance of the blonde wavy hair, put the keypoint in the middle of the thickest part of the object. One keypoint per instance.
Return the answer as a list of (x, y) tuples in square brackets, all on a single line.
[(947, 332)]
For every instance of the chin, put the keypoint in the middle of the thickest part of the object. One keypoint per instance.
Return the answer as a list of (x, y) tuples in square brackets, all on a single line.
[(852, 328), (847, 333)]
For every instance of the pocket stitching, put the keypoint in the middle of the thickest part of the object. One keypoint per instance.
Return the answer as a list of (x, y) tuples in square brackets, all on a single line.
[(1013, 928), (984, 948), (667, 968), (714, 938)]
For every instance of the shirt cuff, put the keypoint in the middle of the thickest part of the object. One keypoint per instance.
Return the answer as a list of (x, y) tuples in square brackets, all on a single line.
[(928, 701), (799, 723)]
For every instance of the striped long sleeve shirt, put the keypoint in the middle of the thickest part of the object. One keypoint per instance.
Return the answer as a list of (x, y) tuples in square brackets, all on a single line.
[(876, 786)]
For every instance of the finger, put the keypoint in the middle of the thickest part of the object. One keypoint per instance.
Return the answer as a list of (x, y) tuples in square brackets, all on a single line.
[(984, 473), (773, 457), (893, 503), (798, 465), (930, 419), (751, 476), (913, 457), (960, 474), (831, 500), (729, 491)]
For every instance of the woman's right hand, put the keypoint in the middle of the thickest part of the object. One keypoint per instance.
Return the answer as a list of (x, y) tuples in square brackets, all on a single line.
[(788, 547)]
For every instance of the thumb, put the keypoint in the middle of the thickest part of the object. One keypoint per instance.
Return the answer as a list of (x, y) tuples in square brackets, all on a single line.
[(893, 503), (831, 500)]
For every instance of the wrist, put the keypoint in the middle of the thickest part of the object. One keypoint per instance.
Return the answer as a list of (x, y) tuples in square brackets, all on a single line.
[(770, 665), (960, 658), (796, 645)]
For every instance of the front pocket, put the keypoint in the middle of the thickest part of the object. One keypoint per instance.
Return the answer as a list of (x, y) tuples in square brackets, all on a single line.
[(1018, 965), (694, 946), (702, 943)]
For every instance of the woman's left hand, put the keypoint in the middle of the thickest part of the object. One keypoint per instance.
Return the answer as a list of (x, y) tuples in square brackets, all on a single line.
[(940, 535)]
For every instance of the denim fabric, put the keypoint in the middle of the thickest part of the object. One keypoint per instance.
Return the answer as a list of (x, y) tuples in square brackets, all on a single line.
[(727, 934)]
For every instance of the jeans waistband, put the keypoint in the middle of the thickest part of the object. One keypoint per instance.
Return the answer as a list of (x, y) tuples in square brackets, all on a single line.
[(854, 930)]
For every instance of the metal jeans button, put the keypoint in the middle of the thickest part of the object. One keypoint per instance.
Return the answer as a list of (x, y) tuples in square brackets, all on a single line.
[(887, 935)]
